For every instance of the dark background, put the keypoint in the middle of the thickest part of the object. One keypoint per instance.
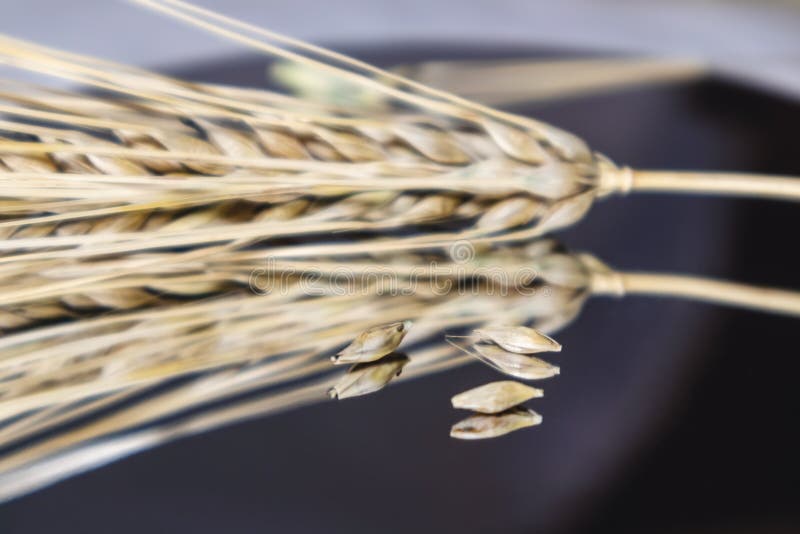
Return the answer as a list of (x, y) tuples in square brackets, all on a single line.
[(668, 416)]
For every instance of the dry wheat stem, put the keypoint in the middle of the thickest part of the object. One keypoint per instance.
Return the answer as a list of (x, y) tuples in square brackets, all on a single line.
[(717, 183), (763, 299)]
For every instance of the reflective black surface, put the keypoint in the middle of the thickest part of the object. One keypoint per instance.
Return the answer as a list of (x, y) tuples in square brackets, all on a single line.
[(668, 416)]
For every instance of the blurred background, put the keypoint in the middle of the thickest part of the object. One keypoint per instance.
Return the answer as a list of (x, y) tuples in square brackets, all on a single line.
[(754, 40), (668, 416)]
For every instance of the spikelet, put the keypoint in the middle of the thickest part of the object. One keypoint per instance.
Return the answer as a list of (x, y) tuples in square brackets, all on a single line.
[(513, 364), (495, 397), (373, 343), (519, 339)]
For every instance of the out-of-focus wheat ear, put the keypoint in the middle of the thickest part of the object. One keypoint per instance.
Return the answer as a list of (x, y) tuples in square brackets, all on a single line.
[(515, 81)]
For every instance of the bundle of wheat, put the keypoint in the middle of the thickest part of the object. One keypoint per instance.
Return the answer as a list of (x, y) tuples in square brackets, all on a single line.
[(139, 223), (72, 360), (490, 170), (240, 348), (159, 175)]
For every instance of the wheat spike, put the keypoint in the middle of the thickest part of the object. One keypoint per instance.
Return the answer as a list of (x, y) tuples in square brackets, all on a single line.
[(55, 369)]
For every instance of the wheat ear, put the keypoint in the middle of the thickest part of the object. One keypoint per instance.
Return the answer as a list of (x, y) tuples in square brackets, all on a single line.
[(122, 344), (613, 179)]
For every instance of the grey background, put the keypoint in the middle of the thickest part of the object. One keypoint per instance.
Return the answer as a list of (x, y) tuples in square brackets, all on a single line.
[(758, 40)]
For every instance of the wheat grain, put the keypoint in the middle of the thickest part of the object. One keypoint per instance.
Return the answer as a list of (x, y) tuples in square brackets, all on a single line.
[(513, 364), (495, 397), (373, 344), (518, 339)]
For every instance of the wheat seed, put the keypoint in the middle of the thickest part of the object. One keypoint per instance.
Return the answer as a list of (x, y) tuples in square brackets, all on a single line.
[(373, 344), (519, 339), (513, 364), (495, 397)]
